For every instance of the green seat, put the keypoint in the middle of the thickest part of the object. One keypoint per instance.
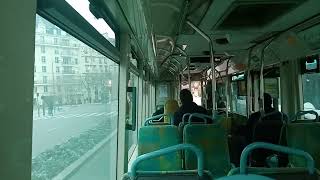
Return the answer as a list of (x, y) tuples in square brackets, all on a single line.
[(152, 138), (198, 174), (280, 173), (212, 140), (304, 136), (308, 173)]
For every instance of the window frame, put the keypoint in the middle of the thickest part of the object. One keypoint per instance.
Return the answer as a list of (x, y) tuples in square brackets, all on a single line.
[(61, 14)]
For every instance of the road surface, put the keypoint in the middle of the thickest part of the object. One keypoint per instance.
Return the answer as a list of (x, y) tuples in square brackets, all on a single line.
[(71, 121)]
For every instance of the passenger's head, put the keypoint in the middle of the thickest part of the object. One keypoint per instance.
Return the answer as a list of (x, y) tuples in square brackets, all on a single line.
[(185, 96), (267, 100)]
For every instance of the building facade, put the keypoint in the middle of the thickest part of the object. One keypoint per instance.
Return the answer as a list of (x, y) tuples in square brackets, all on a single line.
[(66, 71)]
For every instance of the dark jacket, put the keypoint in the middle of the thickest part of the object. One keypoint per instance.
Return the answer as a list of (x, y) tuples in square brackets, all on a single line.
[(190, 107)]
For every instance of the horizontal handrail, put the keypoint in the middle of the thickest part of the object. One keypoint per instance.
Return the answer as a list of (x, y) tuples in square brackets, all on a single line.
[(261, 145), (198, 115), (154, 118), (168, 150), (300, 113)]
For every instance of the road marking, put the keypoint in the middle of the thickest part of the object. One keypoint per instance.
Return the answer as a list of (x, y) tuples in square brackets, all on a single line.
[(90, 114), (99, 114), (51, 130)]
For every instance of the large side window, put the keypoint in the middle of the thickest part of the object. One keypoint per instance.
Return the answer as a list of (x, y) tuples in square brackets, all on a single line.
[(239, 95), (311, 93), (75, 108)]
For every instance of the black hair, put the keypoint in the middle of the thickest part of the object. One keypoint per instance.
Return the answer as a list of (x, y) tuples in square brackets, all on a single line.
[(267, 100), (185, 96)]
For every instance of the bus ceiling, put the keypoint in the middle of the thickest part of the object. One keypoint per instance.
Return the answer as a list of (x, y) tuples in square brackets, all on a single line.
[(234, 26)]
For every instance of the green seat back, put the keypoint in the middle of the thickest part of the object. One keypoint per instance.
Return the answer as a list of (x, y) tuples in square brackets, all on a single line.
[(280, 173), (212, 140), (304, 136), (169, 175), (152, 138)]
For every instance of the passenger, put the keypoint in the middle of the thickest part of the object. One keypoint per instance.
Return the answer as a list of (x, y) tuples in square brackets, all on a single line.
[(188, 106), (170, 108), (268, 129), (158, 111)]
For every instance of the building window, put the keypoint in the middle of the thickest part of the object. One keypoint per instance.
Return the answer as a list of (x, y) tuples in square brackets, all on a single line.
[(57, 69), (65, 42), (43, 59), (66, 60), (58, 78), (92, 60), (55, 41), (56, 59), (42, 39), (45, 79), (86, 59), (87, 68), (76, 61), (105, 61), (100, 61), (68, 70), (59, 88), (45, 88), (56, 51), (44, 69), (43, 49)]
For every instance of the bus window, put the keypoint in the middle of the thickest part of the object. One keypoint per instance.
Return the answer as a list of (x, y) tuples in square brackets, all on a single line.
[(195, 90), (239, 97), (132, 135), (272, 87), (75, 113), (311, 89)]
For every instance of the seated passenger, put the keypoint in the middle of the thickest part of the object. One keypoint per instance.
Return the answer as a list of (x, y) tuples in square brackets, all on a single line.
[(188, 106), (266, 129), (170, 108), (158, 111)]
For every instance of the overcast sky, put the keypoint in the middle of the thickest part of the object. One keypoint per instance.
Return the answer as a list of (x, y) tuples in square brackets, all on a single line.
[(82, 7)]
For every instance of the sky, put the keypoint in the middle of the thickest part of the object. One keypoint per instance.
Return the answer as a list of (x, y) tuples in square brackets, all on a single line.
[(82, 7)]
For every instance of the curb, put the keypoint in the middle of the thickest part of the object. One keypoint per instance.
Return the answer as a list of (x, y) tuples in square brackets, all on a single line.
[(67, 172)]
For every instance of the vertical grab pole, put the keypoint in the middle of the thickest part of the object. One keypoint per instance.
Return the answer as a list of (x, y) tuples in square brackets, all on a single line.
[(249, 85), (227, 89), (189, 74), (213, 73), (213, 80), (261, 76)]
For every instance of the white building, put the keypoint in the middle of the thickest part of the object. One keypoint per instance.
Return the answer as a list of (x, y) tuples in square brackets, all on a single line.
[(67, 70)]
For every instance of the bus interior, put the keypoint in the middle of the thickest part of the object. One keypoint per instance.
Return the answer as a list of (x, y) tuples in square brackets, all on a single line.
[(159, 89)]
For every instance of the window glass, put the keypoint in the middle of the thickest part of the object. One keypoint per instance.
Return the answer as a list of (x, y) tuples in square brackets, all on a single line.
[(75, 112), (311, 93), (82, 7), (239, 97), (221, 94), (132, 137), (272, 87)]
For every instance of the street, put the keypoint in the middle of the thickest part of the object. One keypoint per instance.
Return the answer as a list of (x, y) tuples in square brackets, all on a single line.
[(71, 121)]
